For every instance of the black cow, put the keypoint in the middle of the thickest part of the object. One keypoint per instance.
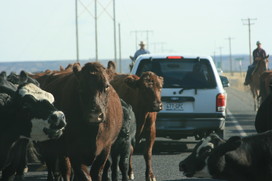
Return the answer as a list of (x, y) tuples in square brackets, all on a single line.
[(263, 120), (21, 78), (121, 149), (237, 159), (28, 114)]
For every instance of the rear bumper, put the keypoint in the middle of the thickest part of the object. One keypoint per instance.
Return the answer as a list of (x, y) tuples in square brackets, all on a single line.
[(184, 125)]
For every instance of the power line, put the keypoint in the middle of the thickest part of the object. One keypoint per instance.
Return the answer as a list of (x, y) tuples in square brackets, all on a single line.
[(156, 44), (120, 54), (77, 45), (136, 32), (230, 56), (114, 33), (249, 23)]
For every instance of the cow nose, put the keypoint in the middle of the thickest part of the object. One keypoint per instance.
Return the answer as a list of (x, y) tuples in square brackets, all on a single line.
[(100, 117), (57, 119), (160, 105), (157, 106)]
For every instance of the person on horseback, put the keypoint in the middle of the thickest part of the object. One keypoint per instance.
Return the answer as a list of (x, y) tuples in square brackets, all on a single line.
[(139, 52), (258, 54)]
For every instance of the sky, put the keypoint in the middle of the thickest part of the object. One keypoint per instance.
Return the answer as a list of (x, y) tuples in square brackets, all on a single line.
[(34, 30)]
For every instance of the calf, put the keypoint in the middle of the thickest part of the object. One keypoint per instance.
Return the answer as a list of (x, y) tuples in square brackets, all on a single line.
[(122, 146), (237, 159)]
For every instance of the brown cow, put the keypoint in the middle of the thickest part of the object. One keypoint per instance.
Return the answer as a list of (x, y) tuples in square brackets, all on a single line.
[(144, 95), (265, 82), (94, 117), (49, 75)]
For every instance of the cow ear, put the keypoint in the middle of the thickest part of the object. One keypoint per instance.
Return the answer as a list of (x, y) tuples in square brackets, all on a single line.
[(76, 67), (23, 77), (111, 70), (111, 66), (76, 70), (61, 68), (3, 75), (131, 82)]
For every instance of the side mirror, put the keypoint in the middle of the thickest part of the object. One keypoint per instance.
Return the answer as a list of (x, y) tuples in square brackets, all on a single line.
[(225, 81)]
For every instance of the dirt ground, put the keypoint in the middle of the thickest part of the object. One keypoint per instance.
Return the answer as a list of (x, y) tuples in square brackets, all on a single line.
[(237, 80)]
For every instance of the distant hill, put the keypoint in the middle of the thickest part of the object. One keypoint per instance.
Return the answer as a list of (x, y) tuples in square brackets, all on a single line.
[(239, 63), (38, 66)]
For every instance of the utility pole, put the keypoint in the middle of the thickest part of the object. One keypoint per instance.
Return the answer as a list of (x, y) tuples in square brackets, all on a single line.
[(230, 56), (96, 34), (220, 50), (214, 60), (136, 38), (248, 23), (114, 31), (147, 37), (77, 46), (120, 55)]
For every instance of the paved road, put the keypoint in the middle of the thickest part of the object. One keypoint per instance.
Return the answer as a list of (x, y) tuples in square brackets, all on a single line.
[(168, 154)]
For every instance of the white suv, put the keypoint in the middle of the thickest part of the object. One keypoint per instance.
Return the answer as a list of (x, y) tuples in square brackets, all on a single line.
[(194, 100)]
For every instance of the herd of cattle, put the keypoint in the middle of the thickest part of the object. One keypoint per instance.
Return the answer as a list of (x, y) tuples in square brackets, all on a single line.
[(84, 120), (98, 131)]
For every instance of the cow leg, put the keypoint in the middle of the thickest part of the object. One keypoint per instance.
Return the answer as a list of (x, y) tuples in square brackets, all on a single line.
[(114, 166), (18, 160), (150, 139), (65, 168), (130, 169), (8, 173), (99, 163), (106, 170), (124, 163), (81, 172)]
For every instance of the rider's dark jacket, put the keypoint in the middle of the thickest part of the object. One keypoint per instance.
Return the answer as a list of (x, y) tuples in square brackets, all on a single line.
[(258, 52)]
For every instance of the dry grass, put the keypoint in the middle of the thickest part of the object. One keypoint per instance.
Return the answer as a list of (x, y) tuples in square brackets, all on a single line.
[(237, 80)]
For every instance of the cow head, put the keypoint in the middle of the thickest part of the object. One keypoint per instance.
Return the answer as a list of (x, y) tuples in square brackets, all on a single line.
[(94, 89), (149, 86), (6, 86), (195, 165), (37, 106), (21, 79)]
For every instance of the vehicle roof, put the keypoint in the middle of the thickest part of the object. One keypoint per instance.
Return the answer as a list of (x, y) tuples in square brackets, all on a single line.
[(145, 56)]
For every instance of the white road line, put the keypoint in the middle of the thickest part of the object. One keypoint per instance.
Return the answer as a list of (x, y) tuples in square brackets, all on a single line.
[(237, 125)]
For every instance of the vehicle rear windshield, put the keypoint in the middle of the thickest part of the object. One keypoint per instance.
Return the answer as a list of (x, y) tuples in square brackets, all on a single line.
[(181, 73)]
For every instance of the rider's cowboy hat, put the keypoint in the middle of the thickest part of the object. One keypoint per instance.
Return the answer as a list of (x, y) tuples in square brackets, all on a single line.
[(258, 43), (142, 43)]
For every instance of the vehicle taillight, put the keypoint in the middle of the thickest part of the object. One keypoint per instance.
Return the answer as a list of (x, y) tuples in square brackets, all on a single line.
[(174, 57), (220, 103)]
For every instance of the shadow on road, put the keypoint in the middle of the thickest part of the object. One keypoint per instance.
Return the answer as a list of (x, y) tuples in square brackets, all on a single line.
[(167, 147)]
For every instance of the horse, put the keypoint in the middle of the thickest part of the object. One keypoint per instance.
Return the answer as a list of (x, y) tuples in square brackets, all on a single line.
[(260, 68)]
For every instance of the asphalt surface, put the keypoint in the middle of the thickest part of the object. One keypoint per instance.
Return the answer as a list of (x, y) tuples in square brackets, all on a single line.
[(167, 153)]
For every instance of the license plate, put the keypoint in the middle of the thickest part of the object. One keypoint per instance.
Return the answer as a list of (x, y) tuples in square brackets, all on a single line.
[(173, 106)]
